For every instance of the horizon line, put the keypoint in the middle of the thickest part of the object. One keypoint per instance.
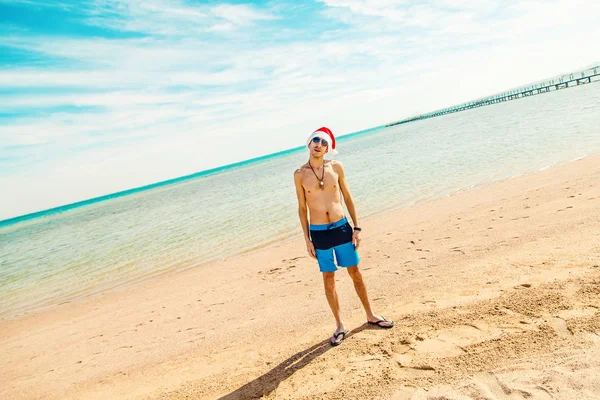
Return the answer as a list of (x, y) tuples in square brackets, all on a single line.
[(214, 170), (166, 182)]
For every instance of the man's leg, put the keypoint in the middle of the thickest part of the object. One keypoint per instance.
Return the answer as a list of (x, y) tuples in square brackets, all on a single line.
[(332, 299), (361, 290)]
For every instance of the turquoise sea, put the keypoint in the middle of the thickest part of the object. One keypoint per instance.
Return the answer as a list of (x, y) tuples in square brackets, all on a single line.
[(71, 252)]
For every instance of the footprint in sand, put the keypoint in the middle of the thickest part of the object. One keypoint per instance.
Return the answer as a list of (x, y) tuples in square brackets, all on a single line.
[(438, 348), (293, 259), (560, 327), (403, 360), (410, 367), (100, 335), (492, 387), (365, 361), (450, 342)]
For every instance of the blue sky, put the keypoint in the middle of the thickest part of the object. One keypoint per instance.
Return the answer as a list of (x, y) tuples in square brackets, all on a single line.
[(101, 96)]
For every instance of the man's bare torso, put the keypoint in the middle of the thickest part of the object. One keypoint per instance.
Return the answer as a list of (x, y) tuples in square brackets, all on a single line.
[(324, 203)]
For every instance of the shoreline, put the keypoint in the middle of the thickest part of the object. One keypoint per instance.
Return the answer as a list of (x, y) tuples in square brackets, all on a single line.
[(117, 286), (224, 329)]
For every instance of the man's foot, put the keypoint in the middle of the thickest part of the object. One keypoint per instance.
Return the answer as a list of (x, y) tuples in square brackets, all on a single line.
[(338, 337), (382, 322)]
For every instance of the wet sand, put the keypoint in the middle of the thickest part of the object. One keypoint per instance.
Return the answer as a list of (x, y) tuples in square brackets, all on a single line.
[(495, 293)]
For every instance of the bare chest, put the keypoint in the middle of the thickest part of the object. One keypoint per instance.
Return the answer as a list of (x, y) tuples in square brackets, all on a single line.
[(321, 181)]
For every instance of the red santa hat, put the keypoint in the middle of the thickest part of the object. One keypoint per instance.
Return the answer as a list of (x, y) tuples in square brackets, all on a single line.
[(324, 133)]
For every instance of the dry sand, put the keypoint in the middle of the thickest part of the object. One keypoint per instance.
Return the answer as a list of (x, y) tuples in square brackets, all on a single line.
[(495, 293)]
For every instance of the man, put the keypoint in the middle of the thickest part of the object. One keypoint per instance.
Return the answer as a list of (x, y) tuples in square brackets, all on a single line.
[(320, 185)]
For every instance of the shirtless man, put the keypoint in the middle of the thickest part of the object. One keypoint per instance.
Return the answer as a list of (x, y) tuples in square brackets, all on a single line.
[(320, 185)]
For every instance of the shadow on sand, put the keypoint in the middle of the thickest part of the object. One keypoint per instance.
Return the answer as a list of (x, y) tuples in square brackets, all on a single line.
[(266, 383)]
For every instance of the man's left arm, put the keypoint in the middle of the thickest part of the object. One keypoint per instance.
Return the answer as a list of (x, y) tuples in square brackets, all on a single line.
[(339, 169)]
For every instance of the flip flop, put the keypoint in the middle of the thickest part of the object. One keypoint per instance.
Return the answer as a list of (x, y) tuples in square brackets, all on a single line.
[(381, 321), (335, 337)]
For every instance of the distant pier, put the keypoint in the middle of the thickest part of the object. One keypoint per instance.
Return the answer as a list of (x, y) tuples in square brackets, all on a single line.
[(563, 82)]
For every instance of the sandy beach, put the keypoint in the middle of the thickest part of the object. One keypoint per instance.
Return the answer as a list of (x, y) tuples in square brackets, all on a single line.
[(495, 293)]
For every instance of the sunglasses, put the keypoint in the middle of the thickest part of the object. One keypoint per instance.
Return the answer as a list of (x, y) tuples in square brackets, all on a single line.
[(323, 141)]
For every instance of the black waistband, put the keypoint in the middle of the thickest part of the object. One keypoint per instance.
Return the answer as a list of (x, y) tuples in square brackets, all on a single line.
[(326, 239)]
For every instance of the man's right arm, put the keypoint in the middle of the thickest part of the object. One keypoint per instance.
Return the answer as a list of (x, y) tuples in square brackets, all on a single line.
[(303, 212)]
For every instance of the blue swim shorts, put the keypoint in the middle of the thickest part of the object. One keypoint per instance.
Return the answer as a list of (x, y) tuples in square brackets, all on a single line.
[(334, 238)]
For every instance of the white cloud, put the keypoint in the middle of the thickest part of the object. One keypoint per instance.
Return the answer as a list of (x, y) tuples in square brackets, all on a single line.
[(239, 14), (375, 8), (171, 17)]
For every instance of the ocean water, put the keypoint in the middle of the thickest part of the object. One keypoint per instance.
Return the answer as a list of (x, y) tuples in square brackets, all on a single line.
[(61, 256)]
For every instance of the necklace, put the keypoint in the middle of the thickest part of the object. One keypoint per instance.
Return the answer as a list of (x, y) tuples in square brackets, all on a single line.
[(321, 183)]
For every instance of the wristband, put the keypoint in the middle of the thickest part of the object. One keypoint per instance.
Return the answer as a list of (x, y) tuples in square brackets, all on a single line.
[(356, 228)]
